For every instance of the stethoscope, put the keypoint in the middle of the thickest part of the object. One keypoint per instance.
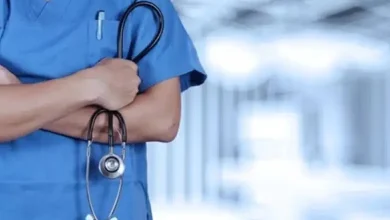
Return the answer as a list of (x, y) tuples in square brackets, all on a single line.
[(111, 165)]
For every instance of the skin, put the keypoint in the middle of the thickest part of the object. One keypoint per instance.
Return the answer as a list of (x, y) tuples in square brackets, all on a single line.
[(152, 116), (64, 106)]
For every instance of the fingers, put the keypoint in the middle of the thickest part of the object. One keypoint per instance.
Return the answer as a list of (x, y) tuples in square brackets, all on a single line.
[(132, 65)]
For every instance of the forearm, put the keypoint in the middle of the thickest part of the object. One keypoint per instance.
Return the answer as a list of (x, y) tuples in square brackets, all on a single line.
[(76, 125), (28, 107), (151, 118), (146, 120)]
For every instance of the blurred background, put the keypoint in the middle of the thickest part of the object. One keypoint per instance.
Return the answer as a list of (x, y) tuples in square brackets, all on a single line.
[(294, 121)]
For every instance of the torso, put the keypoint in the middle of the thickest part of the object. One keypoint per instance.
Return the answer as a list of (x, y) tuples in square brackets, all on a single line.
[(43, 173)]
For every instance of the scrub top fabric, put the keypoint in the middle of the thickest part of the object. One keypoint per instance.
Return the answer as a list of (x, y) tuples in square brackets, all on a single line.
[(42, 175)]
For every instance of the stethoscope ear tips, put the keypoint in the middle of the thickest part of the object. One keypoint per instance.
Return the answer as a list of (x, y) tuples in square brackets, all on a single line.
[(111, 166)]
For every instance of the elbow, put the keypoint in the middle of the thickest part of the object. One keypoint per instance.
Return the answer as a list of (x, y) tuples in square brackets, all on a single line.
[(170, 133), (168, 130)]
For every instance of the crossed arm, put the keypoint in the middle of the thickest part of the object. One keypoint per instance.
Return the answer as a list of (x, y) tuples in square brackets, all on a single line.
[(153, 116)]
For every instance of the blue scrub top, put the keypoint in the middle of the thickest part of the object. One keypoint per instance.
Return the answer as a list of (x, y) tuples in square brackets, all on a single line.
[(42, 175)]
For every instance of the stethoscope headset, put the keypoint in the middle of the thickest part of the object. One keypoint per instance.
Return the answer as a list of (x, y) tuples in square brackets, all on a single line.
[(112, 165)]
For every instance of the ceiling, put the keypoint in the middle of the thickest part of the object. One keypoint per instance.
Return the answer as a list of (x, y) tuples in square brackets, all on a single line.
[(369, 17)]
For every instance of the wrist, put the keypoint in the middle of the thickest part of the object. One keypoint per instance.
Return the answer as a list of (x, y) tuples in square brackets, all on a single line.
[(86, 87), (101, 128)]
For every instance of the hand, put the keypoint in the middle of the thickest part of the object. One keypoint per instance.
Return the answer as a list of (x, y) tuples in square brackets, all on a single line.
[(118, 82), (7, 78)]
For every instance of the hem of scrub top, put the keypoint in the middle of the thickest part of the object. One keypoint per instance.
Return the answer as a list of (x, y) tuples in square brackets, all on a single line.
[(192, 79)]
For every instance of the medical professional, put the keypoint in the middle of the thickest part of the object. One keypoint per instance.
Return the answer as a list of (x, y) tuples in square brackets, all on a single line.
[(54, 74)]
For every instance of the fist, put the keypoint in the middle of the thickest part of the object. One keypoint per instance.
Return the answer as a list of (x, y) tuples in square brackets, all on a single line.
[(118, 82), (7, 78)]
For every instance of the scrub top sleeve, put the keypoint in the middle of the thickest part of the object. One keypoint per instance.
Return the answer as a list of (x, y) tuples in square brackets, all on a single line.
[(173, 56)]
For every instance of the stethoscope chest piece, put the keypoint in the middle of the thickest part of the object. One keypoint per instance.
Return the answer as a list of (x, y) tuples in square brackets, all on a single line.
[(111, 166)]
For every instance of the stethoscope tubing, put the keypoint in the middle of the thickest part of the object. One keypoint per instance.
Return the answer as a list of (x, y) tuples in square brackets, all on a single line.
[(117, 114)]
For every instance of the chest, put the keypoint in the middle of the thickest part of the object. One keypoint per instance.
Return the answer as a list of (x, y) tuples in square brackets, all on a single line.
[(48, 39)]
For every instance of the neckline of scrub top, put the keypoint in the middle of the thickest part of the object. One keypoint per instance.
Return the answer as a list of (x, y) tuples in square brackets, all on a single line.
[(47, 9)]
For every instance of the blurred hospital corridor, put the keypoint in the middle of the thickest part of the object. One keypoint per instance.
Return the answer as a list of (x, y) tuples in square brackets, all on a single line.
[(294, 120)]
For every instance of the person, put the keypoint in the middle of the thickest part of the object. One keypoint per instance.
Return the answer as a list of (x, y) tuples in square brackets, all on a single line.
[(55, 71)]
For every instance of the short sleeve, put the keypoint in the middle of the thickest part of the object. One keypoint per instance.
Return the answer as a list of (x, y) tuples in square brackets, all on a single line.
[(173, 56)]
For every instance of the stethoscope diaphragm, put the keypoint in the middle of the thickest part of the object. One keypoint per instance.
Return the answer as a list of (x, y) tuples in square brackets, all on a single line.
[(111, 166)]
